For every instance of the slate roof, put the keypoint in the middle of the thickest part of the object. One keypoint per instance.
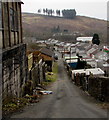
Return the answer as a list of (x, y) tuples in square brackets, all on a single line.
[(47, 52), (20, 1)]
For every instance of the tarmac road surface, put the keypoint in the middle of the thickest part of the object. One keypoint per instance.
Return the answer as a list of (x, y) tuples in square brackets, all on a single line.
[(67, 101)]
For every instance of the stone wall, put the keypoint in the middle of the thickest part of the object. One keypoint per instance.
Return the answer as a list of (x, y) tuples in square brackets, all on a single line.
[(38, 73), (14, 71), (99, 87)]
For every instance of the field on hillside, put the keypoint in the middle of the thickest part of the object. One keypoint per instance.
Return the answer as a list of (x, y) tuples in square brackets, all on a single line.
[(40, 26)]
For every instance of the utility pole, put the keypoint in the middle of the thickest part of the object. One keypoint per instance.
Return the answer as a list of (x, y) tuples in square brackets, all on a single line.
[(64, 52), (70, 54)]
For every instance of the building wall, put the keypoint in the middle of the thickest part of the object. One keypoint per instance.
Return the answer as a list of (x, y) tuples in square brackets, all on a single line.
[(41, 71), (46, 58), (107, 70), (14, 58), (11, 24), (38, 73), (0, 25), (30, 61), (14, 71), (36, 67), (108, 23), (35, 75)]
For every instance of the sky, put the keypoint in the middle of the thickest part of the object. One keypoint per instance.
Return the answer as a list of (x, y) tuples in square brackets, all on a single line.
[(90, 8)]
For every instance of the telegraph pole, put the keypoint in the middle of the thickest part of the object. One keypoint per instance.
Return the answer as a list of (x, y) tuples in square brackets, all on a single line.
[(70, 54)]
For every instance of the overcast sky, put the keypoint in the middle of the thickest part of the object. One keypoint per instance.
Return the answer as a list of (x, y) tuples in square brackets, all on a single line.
[(90, 8)]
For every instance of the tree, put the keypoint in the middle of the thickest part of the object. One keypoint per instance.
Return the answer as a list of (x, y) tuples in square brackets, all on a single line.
[(58, 12), (53, 12), (44, 11), (39, 10), (69, 13), (95, 39)]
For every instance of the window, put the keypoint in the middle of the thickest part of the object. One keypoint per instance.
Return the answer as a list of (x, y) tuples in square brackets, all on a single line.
[(13, 20), (16, 21)]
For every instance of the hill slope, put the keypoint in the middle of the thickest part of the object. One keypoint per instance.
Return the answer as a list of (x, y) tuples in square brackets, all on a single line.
[(41, 26)]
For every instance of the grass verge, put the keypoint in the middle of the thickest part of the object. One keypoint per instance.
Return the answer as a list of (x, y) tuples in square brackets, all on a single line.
[(52, 76)]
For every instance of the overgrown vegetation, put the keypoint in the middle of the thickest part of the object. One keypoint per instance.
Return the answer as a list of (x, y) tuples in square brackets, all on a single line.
[(52, 76), (13, 105), (104, 105)]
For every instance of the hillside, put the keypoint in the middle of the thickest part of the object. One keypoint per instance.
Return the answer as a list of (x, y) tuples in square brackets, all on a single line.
[(41, 27)]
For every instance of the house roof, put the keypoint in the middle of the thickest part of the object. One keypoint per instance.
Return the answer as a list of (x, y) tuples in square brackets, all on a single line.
[(72, 61), (47, 51), (72, 57), (19, 1), (102, 56), (46, 58), (84, 39), (92, 50), (88, 47), (13, 1), (94, 71), (82, 46)]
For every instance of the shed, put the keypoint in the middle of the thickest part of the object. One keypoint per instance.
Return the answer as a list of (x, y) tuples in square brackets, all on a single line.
[(72, 57), (94, 71), (81, 76), (48, 57), (84, 39), (72, 63)]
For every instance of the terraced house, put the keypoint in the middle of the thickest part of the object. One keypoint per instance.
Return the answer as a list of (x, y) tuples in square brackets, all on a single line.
[(14, 61)]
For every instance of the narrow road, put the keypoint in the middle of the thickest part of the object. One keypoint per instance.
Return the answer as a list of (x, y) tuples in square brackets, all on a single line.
[(67, 101)]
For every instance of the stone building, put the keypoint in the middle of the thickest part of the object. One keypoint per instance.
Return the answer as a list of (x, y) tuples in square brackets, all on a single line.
[(14, 61)]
